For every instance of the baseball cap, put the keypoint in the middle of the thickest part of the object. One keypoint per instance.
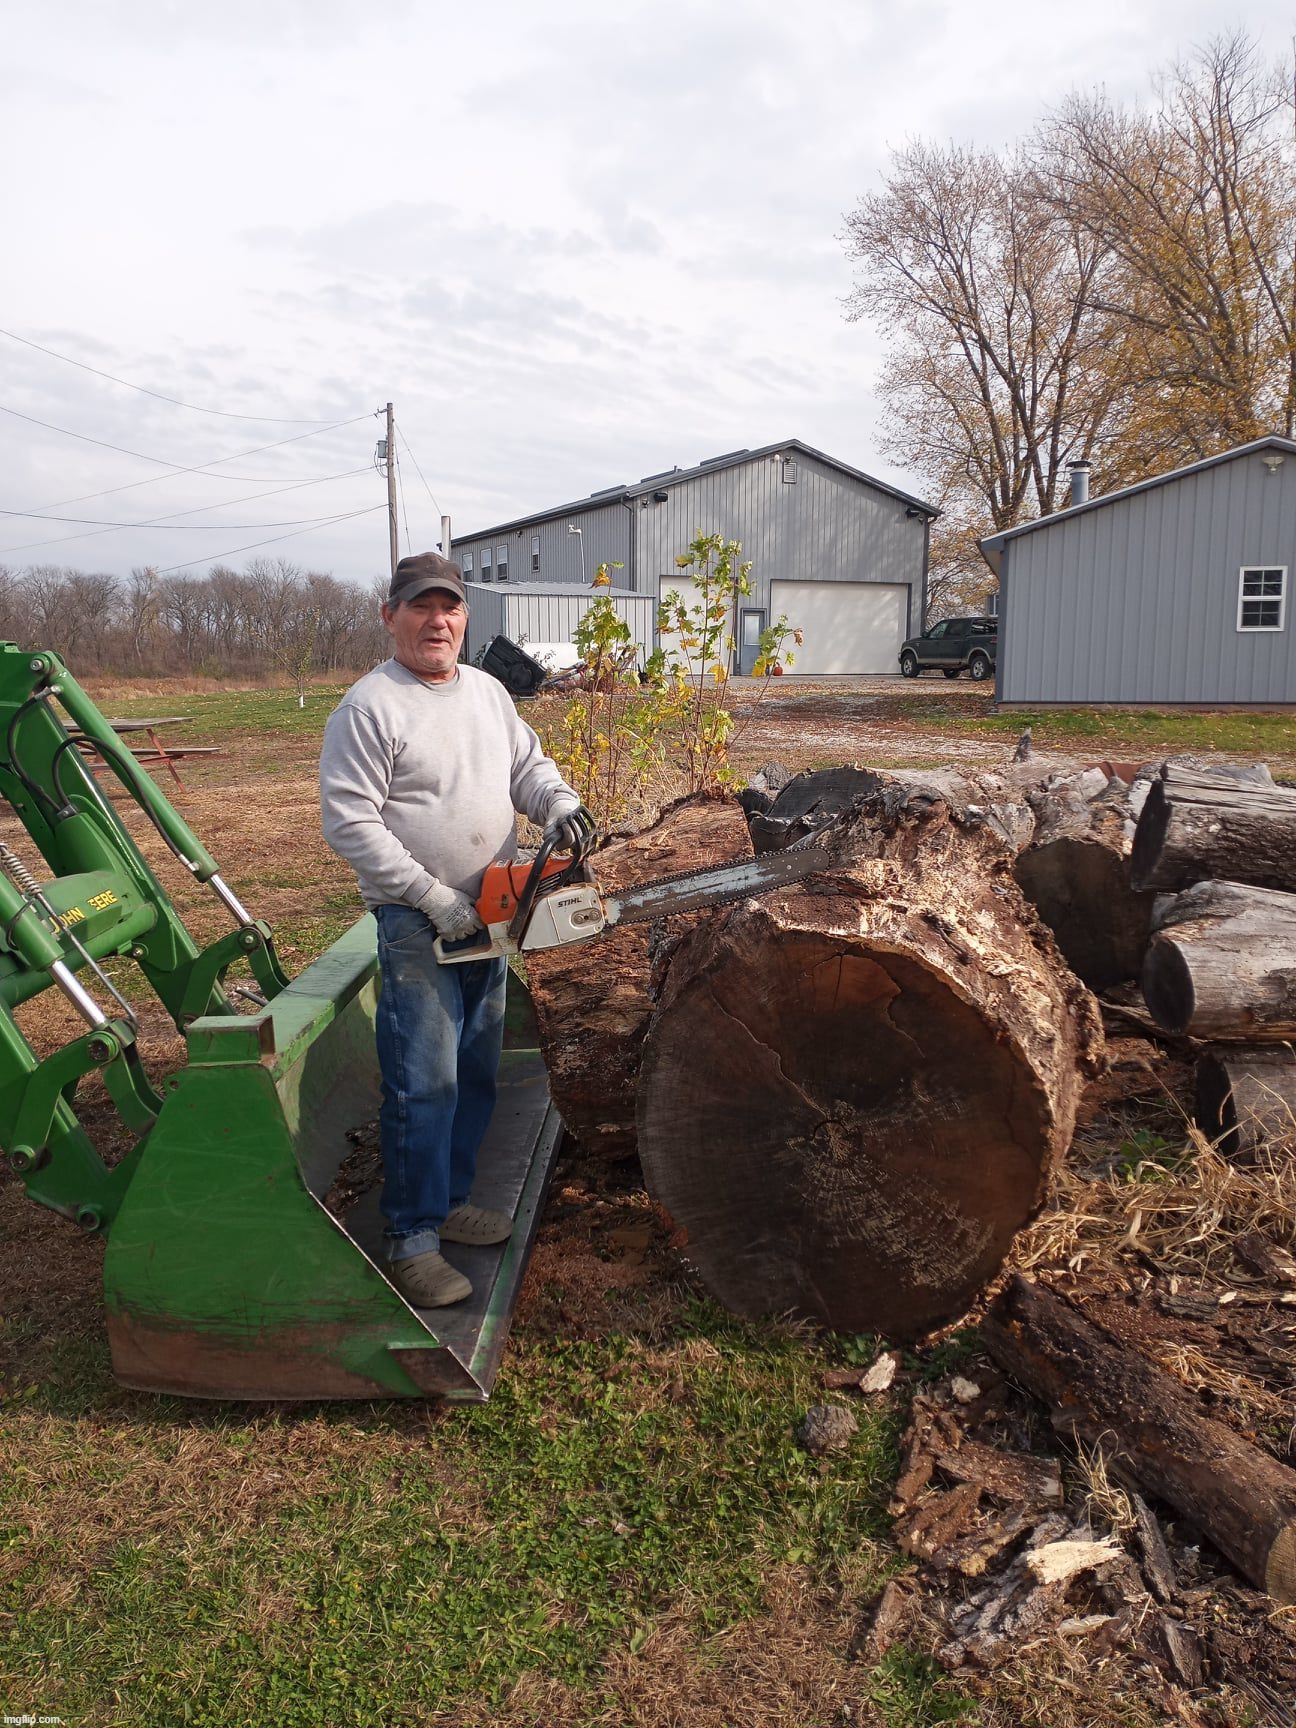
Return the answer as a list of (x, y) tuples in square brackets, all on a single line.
[(424, 570)]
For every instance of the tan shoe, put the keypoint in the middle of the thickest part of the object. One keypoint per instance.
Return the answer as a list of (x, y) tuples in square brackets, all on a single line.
[(477, 1225), (428, 1280)]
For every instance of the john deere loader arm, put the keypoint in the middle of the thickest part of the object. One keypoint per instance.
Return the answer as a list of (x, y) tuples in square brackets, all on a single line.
[(225, 1274)]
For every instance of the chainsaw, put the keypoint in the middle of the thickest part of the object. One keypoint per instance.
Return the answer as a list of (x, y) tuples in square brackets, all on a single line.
[(549, 902)]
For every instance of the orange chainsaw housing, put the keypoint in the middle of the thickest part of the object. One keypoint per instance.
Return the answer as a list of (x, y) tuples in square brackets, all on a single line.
[(503, 884)]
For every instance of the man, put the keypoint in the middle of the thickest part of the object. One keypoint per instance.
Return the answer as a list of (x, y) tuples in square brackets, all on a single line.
[(424, 765)]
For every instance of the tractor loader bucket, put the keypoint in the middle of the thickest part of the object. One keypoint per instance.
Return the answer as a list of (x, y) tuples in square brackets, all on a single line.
[(226, 1276)]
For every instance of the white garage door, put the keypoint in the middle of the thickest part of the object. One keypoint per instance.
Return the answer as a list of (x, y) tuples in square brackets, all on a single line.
[(691, 594), (848, 626)]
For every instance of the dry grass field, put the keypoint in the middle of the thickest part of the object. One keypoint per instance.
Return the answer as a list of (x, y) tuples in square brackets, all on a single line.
[(628, 1533)]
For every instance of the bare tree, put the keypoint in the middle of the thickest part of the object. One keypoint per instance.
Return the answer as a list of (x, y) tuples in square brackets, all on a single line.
[(997, 376), (1195, 203)]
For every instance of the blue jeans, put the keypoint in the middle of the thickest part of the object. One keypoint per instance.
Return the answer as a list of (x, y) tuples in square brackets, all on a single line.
[(440, 1033)]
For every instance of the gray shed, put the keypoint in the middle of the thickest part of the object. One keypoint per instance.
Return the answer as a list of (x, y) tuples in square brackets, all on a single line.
[(533, 612), (1174, 590), (843, 556)]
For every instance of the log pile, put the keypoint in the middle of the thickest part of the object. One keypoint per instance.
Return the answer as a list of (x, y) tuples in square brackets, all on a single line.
[(851, 1093), (1221, 965)]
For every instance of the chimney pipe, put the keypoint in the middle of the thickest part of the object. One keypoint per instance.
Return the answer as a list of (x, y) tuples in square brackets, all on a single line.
[(1079, 483)]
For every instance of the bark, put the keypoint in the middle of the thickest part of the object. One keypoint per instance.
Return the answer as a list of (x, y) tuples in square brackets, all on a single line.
[(854, 1090), (591, 999), (1198, 824), (828, 797), (1076, 873), (1157, 1432), (1223, 964), (1246, 1101)]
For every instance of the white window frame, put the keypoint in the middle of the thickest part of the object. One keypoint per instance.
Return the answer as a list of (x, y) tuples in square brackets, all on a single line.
[(466, 565), (501, 563), (487, 569), (1252, 570)]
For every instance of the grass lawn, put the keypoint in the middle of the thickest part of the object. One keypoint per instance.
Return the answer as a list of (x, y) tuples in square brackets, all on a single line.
[(627, 1533)]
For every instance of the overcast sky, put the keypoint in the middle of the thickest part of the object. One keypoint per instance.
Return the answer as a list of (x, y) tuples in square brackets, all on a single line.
[(572, 243)]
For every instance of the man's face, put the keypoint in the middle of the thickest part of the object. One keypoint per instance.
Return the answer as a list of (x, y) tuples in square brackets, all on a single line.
[(427, 633)]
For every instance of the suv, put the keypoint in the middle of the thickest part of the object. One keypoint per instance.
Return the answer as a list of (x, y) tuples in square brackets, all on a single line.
[(950, 646)]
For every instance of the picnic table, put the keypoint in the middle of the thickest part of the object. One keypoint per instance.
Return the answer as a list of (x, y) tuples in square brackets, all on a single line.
[(155, 750)]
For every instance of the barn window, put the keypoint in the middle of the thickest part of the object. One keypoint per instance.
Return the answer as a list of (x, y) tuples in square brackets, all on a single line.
[(466, 565), (1262, 597), (501, 563), (535, 552), (488, 575)]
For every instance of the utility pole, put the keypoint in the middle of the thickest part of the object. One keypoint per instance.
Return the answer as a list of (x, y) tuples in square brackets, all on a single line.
[(391, 487)]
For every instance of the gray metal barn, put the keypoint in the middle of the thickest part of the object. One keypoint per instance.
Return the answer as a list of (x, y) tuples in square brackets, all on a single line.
[(842, 555), (1175, 590), (533, 612)]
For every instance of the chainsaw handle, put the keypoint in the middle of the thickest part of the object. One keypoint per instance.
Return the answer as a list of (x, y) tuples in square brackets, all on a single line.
[(481, 945), (531, 887)]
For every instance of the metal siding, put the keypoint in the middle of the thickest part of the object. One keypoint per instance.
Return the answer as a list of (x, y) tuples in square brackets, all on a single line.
[(1137, 602), (605, 530), (485, 615), (552, 616)]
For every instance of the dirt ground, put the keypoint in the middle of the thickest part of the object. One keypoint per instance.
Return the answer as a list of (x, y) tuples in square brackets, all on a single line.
[(605, 1257)]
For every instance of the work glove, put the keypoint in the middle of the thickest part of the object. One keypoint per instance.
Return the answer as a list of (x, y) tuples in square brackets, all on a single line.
[(451, 914), (563, 829)]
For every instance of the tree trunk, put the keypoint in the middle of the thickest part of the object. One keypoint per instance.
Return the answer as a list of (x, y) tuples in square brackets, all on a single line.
[(854, 1090), (591, 999), (1076, 873), (1235, 825), (1246, 1102), (826, 797), (1223, 964), (1162, 1435)]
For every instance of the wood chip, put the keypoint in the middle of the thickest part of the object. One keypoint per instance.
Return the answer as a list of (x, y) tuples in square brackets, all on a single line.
[(918, 1464), (937, 1520), (1183, 1652), (965, 1391), (1157, 1566), (1015, 1477), (1058, 1562), (875, 1378), (971, 1554), (880, 1629), (1265, 1258)]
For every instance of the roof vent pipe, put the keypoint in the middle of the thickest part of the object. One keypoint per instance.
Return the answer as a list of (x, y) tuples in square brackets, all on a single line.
[(1079, 483)]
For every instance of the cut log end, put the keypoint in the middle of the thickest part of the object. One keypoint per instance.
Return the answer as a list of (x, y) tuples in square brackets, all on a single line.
[(878, 1139), (1168, 986), (1280, 1572)]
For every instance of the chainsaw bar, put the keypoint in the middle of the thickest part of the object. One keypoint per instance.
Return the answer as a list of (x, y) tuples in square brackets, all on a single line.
[(689, 892)]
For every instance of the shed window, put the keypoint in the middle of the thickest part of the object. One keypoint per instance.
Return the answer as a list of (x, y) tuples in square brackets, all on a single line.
[(501, 563), (466, 565), (488, 575), (535, 552), (1262, 597)]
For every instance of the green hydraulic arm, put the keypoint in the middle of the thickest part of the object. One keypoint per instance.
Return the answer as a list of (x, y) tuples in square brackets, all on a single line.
[(96, 900)]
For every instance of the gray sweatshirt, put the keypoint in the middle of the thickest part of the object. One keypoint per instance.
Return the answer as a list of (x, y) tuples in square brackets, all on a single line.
[(419, 782)]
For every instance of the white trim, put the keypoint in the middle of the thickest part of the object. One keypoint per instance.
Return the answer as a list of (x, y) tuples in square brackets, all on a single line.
[(1253, 569)]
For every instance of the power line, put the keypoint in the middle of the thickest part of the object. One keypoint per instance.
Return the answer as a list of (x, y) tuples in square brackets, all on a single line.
[(224, 413), (161, 521), (161, 479), (177, 467), (233, 551), (414, 459)]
